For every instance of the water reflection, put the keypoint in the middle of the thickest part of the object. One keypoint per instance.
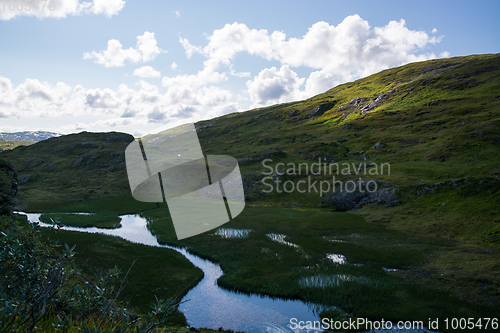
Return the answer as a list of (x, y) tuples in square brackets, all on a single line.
[(209, 305), (232, 233), (280, 238), (321, 281), (336, 258), (213, 307)]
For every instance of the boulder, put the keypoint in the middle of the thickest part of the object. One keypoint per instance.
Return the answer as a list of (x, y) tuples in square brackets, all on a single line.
[(366, 191), (378, 145), (319, 110)]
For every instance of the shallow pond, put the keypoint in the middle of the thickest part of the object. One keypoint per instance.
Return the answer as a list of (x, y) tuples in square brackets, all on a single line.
[(211, 306)]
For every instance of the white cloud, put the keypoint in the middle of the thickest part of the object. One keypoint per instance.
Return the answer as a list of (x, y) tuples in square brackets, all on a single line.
[(190, 49), (122, 108), (327, 54), (273, 86), (115, 56), (203, 77), (32, 95), (434, 30), (177, 13), (341, 53), (147, 72), (107, 7), (101, 99), (63, 8)]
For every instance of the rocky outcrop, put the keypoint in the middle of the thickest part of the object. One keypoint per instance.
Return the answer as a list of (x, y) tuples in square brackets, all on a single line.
[(365, 105), (319, 110), (8, 187), (356, 193), (261, 157), (250, 186), (377, 146)]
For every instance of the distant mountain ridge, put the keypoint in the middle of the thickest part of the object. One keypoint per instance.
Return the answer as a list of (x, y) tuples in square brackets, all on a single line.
[(31, 136)]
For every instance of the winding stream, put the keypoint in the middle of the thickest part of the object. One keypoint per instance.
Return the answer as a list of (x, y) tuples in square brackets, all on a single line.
[(211, 306)]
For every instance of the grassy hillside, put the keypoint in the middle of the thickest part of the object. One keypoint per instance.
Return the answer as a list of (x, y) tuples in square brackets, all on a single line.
[(4, 145), (71, 167), (436, 124), (438, 120), (435, 121)]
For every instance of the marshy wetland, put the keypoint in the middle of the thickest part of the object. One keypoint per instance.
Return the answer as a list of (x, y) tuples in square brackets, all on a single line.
[(327, 263)]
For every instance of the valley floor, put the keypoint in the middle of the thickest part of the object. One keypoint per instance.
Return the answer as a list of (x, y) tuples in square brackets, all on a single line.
[(395, 269)]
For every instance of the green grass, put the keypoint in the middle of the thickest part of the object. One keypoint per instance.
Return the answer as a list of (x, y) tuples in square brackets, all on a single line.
[(436, 275), (172, 277), (259, 265), (157, 271), (4, 145), (104, 206), (82, 221)]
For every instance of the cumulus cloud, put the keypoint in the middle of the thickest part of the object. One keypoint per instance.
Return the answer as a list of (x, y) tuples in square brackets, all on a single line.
[(327, 54), (124, 106), (336, 54), (31, 95), (274, 86), (115, 56), (147, 72), (63, 8), (107, 7), (190, 49)]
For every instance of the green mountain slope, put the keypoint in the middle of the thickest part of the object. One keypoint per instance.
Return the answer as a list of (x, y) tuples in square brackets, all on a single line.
[(435, 121), (71, 167), (434, 126)]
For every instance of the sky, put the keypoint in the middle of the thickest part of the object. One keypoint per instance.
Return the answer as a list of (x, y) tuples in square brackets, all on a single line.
[(143, 66)]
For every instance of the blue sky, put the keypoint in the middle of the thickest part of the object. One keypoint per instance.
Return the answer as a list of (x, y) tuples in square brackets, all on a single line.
[(137, 66)]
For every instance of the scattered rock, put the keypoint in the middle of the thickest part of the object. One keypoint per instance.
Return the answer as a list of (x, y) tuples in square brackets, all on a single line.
[(250, 183), (258, 158), (356, 193), (323, 156), (25, 179), (268, 140), (364, 104), (378, 145), (365, 165), (379, 100), (362, 157), (479, 251), (319, 110)]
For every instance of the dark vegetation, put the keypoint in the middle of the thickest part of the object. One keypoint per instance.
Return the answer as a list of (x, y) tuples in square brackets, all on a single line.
[(437, 123), (112, 289)]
